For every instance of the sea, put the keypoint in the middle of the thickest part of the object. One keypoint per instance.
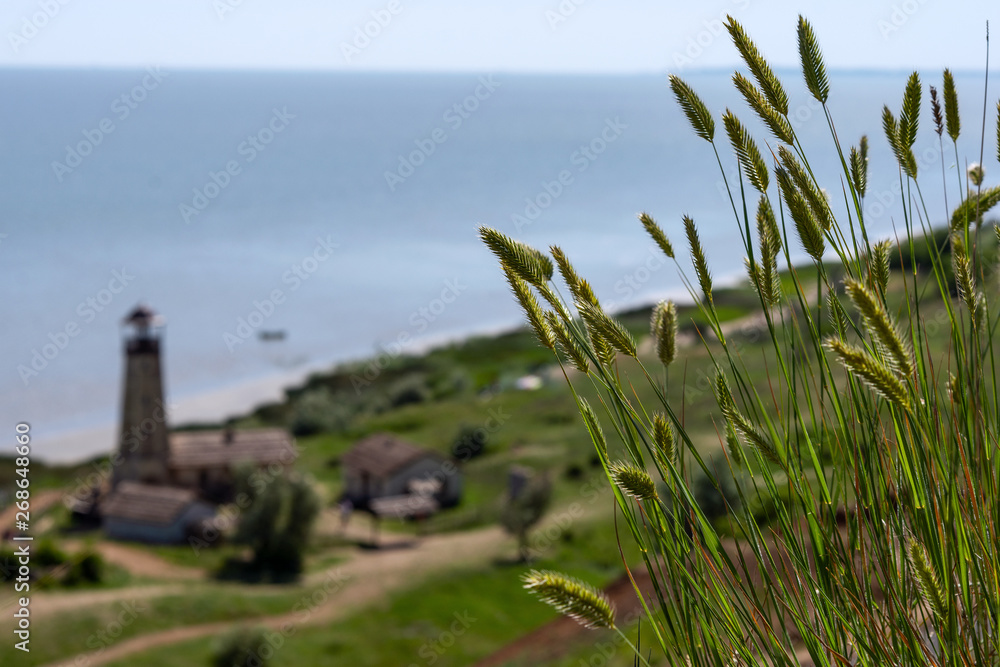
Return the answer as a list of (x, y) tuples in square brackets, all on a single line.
[(284, 222)]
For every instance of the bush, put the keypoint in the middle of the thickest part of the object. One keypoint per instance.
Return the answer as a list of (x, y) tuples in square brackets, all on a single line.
[(716, 495), (242, 647), (8, 565), (409, 389), (47, 554), (882, 551), (469, 443), (320, 411), (86, 567)]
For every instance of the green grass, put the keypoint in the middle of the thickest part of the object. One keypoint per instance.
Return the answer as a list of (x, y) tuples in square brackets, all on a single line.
[(602, 647), (46, 476), (208, 559), (541, 429), (870, 431), (411, 626), (83, 631)]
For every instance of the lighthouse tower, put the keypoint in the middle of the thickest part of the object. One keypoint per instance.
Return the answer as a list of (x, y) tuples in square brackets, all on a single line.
[(143, 447)]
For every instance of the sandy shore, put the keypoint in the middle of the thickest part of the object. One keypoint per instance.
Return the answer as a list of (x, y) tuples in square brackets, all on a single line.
[(75, 445)]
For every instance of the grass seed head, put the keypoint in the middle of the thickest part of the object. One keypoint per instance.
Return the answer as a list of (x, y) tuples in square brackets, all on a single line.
[(951, 118), (698, 258), (936, 112), (859, 167), (664, 330), (570, 347), (771, 117), (594, 426), (602, 326), (695, 110), (762, 72), (528, 263), (746, 152), (811, 57), (571, 597), (632, 480), (656, 232), (870, 371), (663, 434)]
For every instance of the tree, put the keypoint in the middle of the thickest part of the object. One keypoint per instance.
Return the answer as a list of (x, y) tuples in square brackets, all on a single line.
[(524, 506), (277, 523)]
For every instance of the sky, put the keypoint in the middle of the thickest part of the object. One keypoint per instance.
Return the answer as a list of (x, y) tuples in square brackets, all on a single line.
[(579, 36)]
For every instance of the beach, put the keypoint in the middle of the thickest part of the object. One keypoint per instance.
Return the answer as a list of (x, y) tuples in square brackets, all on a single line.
[(244, 203)]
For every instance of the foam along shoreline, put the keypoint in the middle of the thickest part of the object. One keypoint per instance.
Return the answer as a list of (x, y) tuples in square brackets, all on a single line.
[(76, 445)]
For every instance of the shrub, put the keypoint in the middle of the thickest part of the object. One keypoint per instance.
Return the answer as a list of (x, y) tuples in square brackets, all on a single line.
[(319, 411), (8, 564), (408, 390), (86, 567), (242, 647), (47, 554), (882, 551), (717, 494), (470, 442)]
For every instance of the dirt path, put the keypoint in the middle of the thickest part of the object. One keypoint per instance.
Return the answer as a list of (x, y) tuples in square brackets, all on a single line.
[(133, 559), (38, 502), (141, 563), (340, 590), (45, 603)]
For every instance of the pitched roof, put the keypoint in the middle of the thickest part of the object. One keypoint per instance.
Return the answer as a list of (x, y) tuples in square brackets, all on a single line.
[(145, 503), (382, 454), (208, 449)]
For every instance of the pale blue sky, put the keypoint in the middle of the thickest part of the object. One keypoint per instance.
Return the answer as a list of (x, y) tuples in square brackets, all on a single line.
[(507, 35)]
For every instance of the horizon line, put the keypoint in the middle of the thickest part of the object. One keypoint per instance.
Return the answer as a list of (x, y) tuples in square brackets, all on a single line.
[(214, 69)]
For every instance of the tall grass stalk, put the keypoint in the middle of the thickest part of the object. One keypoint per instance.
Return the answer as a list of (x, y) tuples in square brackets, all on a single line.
[(872, 439)]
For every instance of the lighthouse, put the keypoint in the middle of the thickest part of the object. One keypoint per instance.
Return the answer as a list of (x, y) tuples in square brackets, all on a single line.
[(144, 449)]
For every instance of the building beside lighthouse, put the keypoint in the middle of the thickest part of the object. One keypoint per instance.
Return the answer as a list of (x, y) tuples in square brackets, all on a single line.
[(163, 484)]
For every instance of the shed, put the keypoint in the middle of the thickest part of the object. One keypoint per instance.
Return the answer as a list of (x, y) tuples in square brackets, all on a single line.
[(383, 465), (147, 513)]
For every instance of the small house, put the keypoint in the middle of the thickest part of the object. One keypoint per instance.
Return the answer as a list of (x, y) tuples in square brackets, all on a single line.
[(164, 483), (384, 466), (206, 460), (149, 513)]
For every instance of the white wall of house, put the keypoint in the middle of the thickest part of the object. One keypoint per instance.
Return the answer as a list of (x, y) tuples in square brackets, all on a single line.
[(429, 467), (172, 533), (397, 484)]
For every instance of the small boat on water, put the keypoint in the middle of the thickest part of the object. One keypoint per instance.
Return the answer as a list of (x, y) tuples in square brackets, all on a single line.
[(271, 335)]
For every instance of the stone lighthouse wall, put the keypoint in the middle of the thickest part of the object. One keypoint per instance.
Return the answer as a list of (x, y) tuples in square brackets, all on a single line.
[(143, 440)]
